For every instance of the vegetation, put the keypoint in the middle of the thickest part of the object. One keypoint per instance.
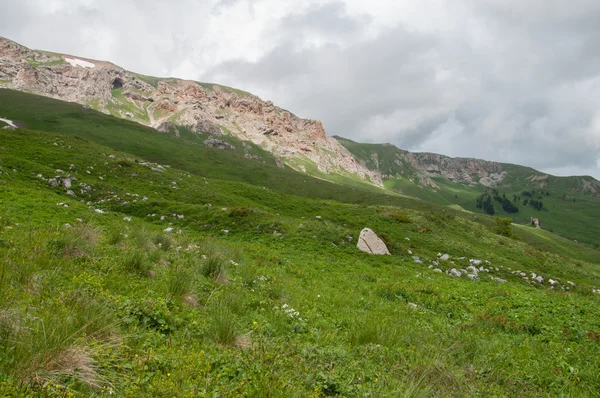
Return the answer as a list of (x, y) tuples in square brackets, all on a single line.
[(561, 203), (166, 281)]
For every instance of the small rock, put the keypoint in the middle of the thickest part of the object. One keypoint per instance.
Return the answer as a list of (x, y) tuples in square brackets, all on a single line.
[(99, 211), (437, 270), (500, 280), (412, 306), (455, 272), (444, 257), (127, 219)]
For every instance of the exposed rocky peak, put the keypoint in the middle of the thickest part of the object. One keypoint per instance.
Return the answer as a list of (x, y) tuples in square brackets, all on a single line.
[(167, 103), (457, 169)]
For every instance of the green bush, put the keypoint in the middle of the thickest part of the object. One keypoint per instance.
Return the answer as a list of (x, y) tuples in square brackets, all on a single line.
[(503, 227), (401, 218)]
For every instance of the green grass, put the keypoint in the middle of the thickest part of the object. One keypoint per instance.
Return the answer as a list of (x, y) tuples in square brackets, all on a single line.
[(283, 303), (35, 63), (571, 219)]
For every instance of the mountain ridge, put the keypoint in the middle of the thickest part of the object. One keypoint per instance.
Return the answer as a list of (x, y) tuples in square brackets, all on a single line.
[(170, 104)]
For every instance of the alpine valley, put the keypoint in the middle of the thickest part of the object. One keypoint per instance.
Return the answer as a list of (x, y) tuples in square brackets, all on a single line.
[(167, 237)]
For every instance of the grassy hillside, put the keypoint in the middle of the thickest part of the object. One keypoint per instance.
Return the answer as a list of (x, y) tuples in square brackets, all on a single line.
[(570, 210), (157, 281)]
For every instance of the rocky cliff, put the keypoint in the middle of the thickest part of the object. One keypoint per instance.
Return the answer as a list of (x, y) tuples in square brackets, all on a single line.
[(167, 103)]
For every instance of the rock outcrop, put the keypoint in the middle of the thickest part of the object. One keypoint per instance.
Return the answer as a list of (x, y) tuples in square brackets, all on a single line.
[(369, 242), (166, 103)]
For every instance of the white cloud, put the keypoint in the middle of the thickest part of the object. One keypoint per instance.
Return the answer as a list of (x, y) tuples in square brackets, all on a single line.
[(506, 80)]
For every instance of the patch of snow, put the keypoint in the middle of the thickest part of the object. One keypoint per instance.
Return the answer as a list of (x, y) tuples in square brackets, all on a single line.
[(9, 122), (79, 62)]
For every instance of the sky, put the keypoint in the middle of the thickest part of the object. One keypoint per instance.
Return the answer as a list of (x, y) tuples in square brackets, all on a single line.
[(515, 81)]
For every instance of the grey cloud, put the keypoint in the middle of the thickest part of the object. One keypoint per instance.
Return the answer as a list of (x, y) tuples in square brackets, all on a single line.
[(530, 96), (503, 80)]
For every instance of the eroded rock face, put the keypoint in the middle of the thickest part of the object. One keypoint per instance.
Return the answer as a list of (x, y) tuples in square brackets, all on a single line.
[(203, 108), (369, 242)]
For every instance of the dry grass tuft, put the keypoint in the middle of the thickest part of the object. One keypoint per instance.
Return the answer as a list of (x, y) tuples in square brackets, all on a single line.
[(73, 362)]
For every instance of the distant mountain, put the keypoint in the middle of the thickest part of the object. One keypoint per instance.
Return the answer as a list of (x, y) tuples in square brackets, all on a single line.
[(243, 124), (425, 168)]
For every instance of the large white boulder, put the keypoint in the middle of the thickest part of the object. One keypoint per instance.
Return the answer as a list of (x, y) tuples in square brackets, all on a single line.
[(370, 243)]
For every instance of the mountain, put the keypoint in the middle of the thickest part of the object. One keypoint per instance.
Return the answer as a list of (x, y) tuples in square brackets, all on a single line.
[(139, 263), (167, 104), (424, 168), (238, 122)]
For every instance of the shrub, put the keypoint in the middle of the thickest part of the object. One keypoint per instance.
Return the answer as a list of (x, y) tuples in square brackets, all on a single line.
[(401, 218), (125, 163), (239, 212), (503, 227)]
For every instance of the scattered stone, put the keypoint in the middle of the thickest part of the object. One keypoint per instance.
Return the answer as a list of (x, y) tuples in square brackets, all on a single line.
[(369, 242), (413, 306), (169, 229), (475, 262), (67, 225), (500, 280), (472, 277), (417, 260), (225, 231), (71, 193), (318, 217), (455, 272), (444, 257), (99, 211), (127, 219), (218, 144), (437, 270)]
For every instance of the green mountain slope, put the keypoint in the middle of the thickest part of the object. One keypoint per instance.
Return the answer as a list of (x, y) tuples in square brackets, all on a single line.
[(124, 277), (571, 204)]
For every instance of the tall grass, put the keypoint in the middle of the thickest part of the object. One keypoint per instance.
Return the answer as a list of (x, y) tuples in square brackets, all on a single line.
[(213, 266), (222, 326)]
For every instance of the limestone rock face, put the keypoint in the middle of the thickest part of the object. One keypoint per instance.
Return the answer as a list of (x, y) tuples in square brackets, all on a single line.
[(370, 243), (162, 103)]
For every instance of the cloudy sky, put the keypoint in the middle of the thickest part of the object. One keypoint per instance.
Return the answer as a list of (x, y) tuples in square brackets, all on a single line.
[(508, 80)]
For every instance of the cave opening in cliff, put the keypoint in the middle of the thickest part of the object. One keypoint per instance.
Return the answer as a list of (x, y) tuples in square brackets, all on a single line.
[(117, 83)]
